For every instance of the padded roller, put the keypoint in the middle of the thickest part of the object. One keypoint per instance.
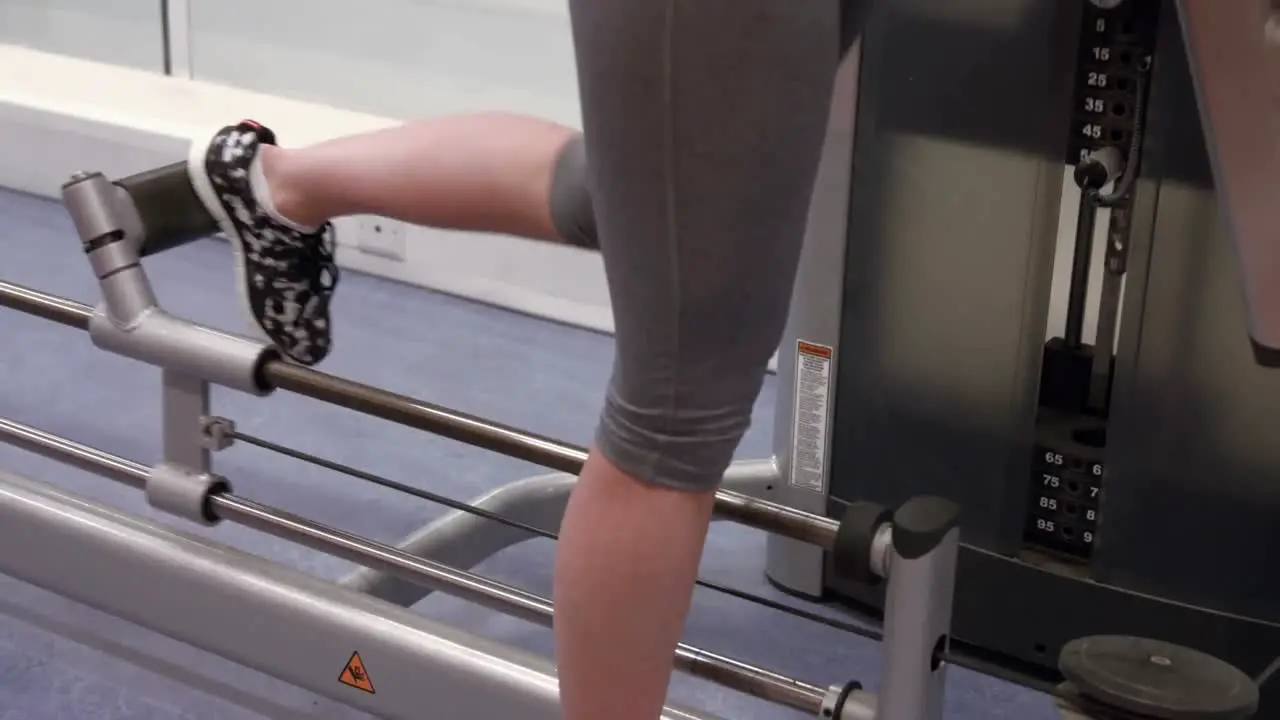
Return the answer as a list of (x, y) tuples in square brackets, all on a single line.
[(171, 212)]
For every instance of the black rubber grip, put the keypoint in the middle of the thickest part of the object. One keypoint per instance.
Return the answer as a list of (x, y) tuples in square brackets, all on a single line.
[(851, 554), (171, 213), (921, 523)]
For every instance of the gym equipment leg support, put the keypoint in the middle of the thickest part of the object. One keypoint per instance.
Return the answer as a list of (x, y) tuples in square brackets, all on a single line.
[(221, 600), (436, 670)]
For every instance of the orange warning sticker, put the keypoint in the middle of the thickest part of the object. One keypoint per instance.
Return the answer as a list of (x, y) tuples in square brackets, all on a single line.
[(812, 414), (355, 675), (821, 351)]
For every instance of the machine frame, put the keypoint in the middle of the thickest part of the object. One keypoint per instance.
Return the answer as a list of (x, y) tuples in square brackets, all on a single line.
[(308, 632), (900, 175), (265, 616), (156, 577)]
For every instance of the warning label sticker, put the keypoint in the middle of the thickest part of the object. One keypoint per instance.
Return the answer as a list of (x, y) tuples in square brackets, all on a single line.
[(354, 674), (809, 426)]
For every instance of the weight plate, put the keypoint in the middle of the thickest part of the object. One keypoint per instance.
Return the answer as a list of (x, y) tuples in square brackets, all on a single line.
[(1157, 680)]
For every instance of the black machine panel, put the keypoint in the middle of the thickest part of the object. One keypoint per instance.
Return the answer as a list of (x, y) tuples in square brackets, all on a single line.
[(1069, 460), (1148, 512), (1114, 46)]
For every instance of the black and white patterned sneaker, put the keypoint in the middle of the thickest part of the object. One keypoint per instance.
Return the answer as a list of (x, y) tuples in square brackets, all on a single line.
[(286, 274)]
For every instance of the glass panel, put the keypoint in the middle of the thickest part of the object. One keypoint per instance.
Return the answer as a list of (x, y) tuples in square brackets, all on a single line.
[(393, 58), (121, 32)]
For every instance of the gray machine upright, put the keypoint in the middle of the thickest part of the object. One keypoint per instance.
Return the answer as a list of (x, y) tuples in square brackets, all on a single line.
[(1124, 482)]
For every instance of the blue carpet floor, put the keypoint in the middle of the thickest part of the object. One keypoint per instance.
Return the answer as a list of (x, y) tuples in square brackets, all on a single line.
[(59, 659)]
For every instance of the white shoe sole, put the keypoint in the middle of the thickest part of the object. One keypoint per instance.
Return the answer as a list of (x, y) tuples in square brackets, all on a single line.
[(203, 186)]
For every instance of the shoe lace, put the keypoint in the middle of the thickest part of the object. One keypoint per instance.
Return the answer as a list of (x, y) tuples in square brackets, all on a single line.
[(314, 261)]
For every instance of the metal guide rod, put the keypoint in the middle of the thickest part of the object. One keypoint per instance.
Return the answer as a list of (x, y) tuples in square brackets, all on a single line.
[(50, 307), (474, 431), (404, 410), (73, 453), (513, 442), (503, 598)]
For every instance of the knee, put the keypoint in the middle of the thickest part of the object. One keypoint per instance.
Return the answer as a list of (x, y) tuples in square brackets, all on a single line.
[(680, 436), (571, 209)]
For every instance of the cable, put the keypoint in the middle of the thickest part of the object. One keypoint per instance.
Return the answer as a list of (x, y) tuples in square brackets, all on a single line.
[(1130, 174), (429, 496), (1266, 674), (958, 660)]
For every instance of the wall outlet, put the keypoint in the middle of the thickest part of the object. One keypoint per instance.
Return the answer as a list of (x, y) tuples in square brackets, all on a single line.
[(381, 237)]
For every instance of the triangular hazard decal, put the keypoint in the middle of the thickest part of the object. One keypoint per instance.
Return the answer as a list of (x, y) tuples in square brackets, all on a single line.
[(355, 675)]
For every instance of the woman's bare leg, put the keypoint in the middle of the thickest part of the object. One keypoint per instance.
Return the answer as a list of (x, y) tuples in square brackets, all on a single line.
[(487, 172), (491, 172), (704, 122)]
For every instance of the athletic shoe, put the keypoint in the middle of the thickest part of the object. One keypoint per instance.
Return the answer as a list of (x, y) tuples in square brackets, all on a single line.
[(286, 273)]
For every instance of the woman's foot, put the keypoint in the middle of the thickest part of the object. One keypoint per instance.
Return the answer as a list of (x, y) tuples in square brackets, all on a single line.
[(286, 271)]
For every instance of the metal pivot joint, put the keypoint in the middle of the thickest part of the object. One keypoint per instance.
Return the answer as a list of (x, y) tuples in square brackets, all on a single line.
[(129, 321), (189, 495)]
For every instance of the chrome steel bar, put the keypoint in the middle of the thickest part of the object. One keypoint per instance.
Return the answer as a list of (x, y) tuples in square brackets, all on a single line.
[(464, 585), (410, 412), (478, 432), (50, 307), (777, 519), (469, 429), (497, 596), (73, 453)]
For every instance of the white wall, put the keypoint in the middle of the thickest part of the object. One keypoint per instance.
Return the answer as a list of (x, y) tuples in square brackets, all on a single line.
[(312, 70), (394, 58), (61, 115), (122, 32)]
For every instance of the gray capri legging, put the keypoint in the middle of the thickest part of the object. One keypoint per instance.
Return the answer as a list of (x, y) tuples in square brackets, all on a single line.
[(703, 123)]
